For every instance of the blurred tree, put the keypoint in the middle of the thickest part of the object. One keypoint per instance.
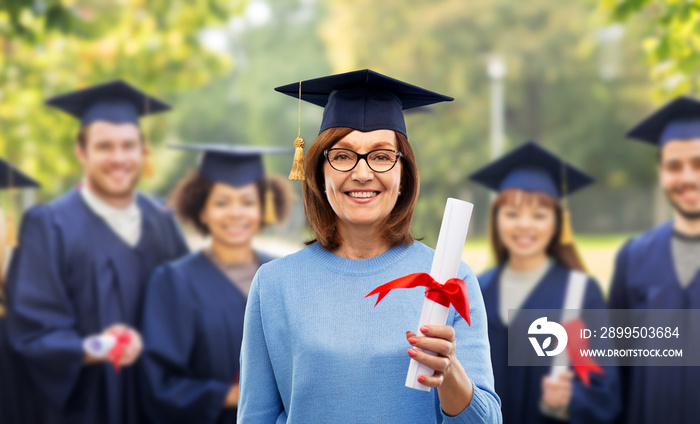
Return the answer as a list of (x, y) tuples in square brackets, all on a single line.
[(572, 83), (272, 43), (564, 88), (673, 42), (51, 47)]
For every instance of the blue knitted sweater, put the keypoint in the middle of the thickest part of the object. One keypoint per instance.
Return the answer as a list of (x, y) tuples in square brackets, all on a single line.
[(315, 351)]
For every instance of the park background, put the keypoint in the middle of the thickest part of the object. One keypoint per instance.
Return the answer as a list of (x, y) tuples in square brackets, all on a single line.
[(572, 75)]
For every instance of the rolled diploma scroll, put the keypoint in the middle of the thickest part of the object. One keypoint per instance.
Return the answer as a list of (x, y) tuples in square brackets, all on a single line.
[(99, 346), (448, 255), (573, 300)]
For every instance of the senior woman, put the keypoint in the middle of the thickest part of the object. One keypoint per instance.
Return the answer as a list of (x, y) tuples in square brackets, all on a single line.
[(313, 349)]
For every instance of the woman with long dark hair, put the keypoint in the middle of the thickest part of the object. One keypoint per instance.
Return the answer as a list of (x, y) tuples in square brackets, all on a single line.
[(537, 266), (194, 307)]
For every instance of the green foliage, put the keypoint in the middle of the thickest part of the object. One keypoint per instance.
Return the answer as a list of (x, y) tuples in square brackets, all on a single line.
[(241, 107), (556, 92), (564, 87), (672, 43), (51, 47), (30, 19)]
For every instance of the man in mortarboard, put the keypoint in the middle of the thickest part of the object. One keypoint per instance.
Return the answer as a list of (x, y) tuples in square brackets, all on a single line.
[(83, 261), (659, 269)]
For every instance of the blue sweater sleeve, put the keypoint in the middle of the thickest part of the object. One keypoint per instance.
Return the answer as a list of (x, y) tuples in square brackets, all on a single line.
[(172, 393), (473, 353), (259, 399)]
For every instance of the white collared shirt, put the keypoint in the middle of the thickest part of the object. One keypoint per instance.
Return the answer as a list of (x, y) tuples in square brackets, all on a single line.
[(126, 223)]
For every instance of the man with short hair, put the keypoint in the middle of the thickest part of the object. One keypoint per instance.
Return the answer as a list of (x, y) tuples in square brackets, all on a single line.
[(83, 263), (659, 269)]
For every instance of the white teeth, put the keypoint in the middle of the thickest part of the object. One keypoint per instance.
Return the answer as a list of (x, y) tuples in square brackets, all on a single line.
[(362, 194)]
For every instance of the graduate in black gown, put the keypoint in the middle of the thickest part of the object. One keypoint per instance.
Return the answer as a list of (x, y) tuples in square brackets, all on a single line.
[(83, 262), (17, 400), (194, 307), (532, 242), (660, 269)]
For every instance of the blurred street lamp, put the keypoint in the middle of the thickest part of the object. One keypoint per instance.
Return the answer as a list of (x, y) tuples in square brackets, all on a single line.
[(496, 69), (609, 40)]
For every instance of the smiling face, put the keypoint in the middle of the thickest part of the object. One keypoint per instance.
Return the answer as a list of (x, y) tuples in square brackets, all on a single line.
[(679, 174), (525, 226), (111, 156), (233, 215), (362, 197)]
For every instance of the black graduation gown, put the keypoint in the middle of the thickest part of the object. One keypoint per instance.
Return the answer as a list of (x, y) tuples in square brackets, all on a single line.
[(520, 388), (71, 277), (645, 278), (17, 403), (193, 328)]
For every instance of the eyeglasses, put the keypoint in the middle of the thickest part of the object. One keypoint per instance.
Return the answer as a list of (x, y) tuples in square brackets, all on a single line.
[(345, 160)]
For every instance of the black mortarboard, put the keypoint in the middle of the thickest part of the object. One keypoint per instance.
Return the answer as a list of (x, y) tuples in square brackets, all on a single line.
[(677, 120), (532, 168), (116, 102), (11, 177), (362, 100), (232, 165)]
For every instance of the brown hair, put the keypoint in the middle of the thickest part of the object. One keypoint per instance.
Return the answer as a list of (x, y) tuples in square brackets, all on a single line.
[(190, 197), (567, 255), (321, 217), (81, 138)]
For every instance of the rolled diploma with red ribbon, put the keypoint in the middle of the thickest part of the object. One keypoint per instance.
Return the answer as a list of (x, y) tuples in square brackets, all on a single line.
[(107, 346), (573, 300), (99, 345), (448, 255), (572, 322)]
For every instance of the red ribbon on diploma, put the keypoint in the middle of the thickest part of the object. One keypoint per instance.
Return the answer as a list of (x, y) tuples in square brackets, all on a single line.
[(583, 365), (453, 292), (117, 351)]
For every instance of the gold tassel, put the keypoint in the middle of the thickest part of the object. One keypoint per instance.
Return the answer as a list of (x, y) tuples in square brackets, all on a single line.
[(149, 170), (10, 232), (270, 217), (566, 237), (297, 173)]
